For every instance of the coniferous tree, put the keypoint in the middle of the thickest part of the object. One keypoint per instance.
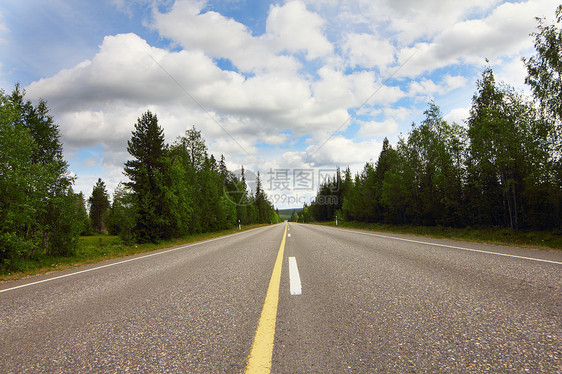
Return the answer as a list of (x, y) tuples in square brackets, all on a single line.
[(83, 215), (146, 172), (99, 204), (260, 201)]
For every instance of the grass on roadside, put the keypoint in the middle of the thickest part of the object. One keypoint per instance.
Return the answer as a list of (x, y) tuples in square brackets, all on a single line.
[(534, 239), (97, 248)]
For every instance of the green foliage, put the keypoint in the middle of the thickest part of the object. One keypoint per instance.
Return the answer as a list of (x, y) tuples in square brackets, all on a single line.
[(509, 156), (544, 69), (329, 198), (39, 213), (120, 218), (545, 79), (18, 208), (64, 226), (180, 190), (294, 217), (99, 204), (83, 215), (261, 202), (499, 172), (146, 172), (305, 215)]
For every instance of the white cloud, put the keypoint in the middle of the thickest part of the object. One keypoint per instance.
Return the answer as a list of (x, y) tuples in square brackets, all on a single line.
[(427, 87), (229, 146), (293, 28), (90, 161), (505, 31), (454, 82), (341, 151), (368, 51), (373, 128), (3, 30), (424, 86), (220, 37), (123, 80), (400, 113), (127, 68), (512, 71), (415, 20), (457, 115)]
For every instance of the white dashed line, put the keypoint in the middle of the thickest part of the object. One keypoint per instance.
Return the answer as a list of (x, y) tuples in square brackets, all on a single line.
[(294, 278)]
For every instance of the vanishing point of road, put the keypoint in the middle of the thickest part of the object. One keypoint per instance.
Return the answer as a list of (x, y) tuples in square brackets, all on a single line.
[(293, 298)]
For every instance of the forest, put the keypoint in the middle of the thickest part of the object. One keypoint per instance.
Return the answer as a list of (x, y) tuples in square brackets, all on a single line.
[(173, 190), (502, 168)]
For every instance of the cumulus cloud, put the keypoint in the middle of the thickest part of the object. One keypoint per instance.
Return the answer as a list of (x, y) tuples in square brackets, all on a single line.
[(457, 115), (428, 88), (290, 27), (368, 51), (373, 128), (505, 31), (339, 149), (512, 71), (294, 28)]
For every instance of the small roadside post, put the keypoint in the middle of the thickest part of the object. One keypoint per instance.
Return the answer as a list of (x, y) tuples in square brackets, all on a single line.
[(239, 227), (336, 220)]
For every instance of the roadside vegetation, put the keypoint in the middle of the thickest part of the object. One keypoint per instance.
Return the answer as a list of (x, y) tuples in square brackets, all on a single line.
[(546, 240), (100, 247)]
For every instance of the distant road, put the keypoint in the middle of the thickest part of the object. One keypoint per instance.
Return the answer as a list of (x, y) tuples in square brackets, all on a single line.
[(348, 302)]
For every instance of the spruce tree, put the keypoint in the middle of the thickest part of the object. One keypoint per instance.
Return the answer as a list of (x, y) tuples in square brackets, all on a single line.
[(99, 204), (146, 173)]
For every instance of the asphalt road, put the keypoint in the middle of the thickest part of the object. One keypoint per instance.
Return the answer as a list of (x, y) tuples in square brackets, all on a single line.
[(369, 303)]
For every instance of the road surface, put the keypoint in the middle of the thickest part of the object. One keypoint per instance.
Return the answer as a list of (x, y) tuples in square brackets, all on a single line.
[(366, 303)]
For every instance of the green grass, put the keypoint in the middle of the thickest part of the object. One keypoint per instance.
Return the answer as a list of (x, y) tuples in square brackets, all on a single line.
[(535, 239), (97, 248)]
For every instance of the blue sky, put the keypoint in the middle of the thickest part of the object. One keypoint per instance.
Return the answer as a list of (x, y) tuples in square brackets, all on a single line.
[(272, 85)]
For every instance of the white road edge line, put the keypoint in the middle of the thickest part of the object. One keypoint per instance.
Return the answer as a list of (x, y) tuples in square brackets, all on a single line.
[(125, 261), (454, 247), (294, 278)]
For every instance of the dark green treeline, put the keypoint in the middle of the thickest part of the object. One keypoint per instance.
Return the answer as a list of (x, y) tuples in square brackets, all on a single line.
[(179, 189), (502, 170)]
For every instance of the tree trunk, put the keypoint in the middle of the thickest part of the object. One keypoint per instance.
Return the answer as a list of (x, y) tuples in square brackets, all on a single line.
[(505, 191), (515, 207)]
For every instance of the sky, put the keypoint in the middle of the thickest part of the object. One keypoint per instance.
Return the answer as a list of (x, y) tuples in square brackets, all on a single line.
[(292, 89)]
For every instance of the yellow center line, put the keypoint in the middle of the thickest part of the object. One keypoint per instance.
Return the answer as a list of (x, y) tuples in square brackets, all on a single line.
[(259, 360)]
